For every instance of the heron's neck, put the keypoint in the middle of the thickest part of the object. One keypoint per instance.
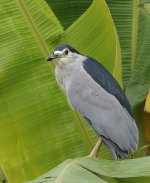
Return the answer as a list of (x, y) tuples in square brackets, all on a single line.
[(62, 62)]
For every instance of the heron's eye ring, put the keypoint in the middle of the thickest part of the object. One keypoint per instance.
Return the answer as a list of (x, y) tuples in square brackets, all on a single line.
[(66, 51)]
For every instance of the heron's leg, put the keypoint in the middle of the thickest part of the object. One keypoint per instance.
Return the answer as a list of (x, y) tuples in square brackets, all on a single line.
[(95, 151)]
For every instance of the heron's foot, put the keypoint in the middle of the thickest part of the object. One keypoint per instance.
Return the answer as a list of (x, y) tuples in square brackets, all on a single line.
[(95, 151)]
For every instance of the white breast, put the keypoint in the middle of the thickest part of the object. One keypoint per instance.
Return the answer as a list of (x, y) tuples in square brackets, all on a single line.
[(65, 69)]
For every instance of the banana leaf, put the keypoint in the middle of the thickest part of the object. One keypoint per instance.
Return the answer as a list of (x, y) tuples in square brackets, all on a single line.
[(38, 128), (68, 11), (125, 16), (90, 170), (139, 83)]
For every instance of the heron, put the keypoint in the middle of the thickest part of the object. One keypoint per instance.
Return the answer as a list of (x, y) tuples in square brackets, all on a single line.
[(93, 92)]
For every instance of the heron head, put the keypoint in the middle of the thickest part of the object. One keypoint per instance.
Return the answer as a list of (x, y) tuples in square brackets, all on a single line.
[(63, 51)]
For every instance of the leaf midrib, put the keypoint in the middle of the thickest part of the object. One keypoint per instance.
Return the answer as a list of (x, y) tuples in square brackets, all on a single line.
[(134, 31), (33, 27)]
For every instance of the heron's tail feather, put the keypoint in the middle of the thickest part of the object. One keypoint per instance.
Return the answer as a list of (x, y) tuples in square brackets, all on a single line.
[(115, 150)]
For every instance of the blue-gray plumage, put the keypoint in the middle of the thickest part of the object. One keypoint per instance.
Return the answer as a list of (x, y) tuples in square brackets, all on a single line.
[(96, 95), (105, 79)]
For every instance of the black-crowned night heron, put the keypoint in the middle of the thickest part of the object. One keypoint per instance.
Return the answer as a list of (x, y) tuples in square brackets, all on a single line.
[(96, 95)]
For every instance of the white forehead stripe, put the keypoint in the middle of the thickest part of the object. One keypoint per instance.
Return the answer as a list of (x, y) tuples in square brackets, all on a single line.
[(58, 52)]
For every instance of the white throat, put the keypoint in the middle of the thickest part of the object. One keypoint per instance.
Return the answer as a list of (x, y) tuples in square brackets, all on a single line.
[(70, 58)]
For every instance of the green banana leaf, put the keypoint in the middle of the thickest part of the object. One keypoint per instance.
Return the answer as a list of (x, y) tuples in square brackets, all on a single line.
[(89, 170), (68, 11), (38, 128), (144, 1), (2, 177), (125, 16), (139, 83)]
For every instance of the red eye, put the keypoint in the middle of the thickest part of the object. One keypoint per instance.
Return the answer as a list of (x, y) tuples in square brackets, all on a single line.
[(66, 52)]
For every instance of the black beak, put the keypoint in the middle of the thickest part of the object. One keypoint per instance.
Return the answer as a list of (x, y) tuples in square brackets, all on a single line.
[(52, 57)]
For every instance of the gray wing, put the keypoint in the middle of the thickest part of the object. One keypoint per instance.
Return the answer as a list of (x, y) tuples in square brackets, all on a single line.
[(98, 72), (104, 112)]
